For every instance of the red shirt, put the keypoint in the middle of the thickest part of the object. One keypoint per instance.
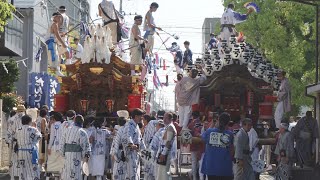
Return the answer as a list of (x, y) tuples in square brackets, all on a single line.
[(195, 126)]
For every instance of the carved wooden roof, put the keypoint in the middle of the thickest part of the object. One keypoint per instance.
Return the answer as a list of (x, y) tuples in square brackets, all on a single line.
[(232, 78)]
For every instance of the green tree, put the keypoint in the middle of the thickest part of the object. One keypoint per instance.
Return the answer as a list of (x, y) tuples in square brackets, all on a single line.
[(7, 80), (284, 32), (5, 13)]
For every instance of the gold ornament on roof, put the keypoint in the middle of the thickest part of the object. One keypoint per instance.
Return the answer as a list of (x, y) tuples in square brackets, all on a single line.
[(96, 70)]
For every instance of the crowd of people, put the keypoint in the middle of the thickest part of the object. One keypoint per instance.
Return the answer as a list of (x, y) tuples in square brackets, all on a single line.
[(71, 146)]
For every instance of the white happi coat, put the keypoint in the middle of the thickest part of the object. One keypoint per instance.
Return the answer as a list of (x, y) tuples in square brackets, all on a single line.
[(150, 169), (149, 132), (27, 139), (133, 136), (286, 144), (284, 105), (173, 150), (253, 142), (99, 151), (117, 148), (38, 123), (13, 124), (232, 18), (72, 165), (65, 125), (162, 171), (55, 159)]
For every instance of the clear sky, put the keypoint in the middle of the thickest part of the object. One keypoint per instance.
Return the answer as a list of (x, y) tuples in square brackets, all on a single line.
[(181, 17)]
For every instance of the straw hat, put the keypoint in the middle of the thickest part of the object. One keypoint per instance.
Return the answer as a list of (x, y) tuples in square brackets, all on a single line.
[(21, 108), (123, 113)]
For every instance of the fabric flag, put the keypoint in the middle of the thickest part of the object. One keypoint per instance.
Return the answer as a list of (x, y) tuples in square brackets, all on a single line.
[(252, 5), (154, 79), (164, 64), (157, 58), (38, 91), (42, 89), (53, 89), (38, 55), (157, 80), (84, 29)]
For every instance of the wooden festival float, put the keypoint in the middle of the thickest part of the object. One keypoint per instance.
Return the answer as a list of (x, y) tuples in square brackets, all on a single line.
[(99, 88), (240, 82)]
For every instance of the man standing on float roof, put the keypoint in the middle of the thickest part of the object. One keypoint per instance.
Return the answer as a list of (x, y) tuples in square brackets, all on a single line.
[(110, 18), (229, 19), (150, 27), (63, 30)]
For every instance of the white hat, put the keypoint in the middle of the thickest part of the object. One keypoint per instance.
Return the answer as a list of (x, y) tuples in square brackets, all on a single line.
[(123, 113), (33, 113), (284, 125), (21, 108)]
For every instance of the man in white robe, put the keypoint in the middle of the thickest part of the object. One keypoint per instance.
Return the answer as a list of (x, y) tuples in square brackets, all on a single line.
[(149, 132), (110, 18), (150, 27), (243, 169), (117, 151), (187, 93), (254, 149), (99, 150), (228, 21), (75, 148), (136, 45), (284, 98), (14, 123), (133, 145), (27, 150), (71, 114), (285, 153), (167, 152), (153, 147), (55, 160), (63, 30), (305, 133)]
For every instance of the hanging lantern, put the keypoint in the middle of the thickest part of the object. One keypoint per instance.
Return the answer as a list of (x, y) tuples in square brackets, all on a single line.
[(236, 51), (84, 105), (199, 61), (245, 57), (199, 68), (217, 64), (109, 105), (224, 44), (206, 57), (257, 58), (208, 69), (268, 76), (214, 51), (251, 50), (232, 41), (61, 102), (134, 101), (227, 59), (262, 69), (189, 68), (276, 85), (269, 66), (242, 45)]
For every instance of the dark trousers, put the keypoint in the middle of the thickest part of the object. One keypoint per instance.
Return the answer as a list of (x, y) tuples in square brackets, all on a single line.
[(220, 178)]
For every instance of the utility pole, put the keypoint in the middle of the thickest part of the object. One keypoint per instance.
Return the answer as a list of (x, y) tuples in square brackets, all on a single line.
[(120, 8)]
